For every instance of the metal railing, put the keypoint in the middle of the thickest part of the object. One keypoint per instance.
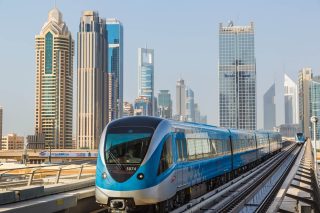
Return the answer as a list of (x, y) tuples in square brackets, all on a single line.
[(44, 175)]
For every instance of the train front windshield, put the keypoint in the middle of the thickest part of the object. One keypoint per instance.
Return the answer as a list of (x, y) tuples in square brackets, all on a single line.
[(127, 145), (300, 137)]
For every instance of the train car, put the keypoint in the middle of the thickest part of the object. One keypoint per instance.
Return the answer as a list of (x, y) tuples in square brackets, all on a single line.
[(159, 164), (300, 138)]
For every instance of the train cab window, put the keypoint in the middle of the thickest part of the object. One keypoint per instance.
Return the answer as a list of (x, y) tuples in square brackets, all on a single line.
[(166, 159)]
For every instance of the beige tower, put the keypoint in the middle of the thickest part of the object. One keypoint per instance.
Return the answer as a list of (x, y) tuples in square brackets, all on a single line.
[(92, 90), (181, 99), (1, 117), (305, 77), (54, 80)]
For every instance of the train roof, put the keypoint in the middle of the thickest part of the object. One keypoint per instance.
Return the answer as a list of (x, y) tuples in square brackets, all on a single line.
[(136, 121)]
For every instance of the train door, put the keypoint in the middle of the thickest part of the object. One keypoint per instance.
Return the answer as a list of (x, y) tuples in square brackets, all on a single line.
[(181, 158)]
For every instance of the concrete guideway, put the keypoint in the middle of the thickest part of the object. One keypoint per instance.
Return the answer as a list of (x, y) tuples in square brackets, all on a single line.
[(54, 203), (73, 197), (300, 191), (234, 195)]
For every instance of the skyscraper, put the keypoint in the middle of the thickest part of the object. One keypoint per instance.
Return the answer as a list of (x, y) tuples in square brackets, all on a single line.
[(127, 109), (290, 101), (165, 104), (305, 77), (269, 108), (92, 97), (54, 82), (146, 74), (1, 118), (190, 112), (181, 99), (142, 106), (237, 77), (197, 114), (315, 103), (115, 68)]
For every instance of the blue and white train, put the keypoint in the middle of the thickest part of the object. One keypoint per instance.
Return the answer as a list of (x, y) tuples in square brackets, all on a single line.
[(160, 164), (300, 138)]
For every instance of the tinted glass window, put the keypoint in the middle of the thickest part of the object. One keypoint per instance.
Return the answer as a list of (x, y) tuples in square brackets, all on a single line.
[(166, 159)]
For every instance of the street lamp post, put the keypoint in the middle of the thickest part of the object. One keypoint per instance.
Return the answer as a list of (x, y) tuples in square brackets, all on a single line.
[(25, 154), (49, 153), (314, 120)]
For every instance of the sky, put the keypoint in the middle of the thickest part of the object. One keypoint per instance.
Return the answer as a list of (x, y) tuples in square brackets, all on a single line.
[(184, 36)]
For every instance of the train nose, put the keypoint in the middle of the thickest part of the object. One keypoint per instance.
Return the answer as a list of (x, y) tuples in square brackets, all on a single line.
[(117, 204)]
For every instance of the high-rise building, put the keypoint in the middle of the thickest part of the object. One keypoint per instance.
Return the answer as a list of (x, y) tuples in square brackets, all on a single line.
[(237, 77), (315, 104), (155, 107), (165, 104), (146, 74), (269, 108), (127, 109), (197, 114), (142, 106), (54, 82), (92, 97), (36, 141), (203, 119), (115, 68), (290, 101), (12, 142), (305, 77), (1, 118), (190, 113), (180, 99)]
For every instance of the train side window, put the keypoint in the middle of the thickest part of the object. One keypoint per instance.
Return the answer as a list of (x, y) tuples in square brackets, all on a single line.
[(205, 147), (213, 147), (228, 146), (179, 149), (191, 149), (166, 156), (184, 149)]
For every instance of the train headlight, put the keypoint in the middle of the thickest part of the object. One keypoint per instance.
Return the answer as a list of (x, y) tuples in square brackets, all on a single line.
[(104, 175), (140, 176)]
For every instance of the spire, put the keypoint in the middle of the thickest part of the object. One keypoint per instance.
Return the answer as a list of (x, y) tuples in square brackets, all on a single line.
[(55, 15)]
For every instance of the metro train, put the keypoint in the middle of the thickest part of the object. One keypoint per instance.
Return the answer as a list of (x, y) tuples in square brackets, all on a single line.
[(300, 138), (159, 164)]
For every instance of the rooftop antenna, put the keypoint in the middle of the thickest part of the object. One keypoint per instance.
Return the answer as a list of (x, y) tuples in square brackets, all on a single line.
[(55, 3)]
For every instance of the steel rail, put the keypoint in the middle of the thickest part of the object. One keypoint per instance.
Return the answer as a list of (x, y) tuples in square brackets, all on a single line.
[(239, 196)]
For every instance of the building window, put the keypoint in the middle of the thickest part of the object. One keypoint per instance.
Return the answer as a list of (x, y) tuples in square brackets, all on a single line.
[(48, 52)]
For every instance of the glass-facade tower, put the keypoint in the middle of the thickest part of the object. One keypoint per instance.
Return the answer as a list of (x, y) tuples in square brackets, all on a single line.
[(190, 111), (269, 109), (165, 104), (237, 77), (290, 101), (315, 104), (146, 75), (115, 68)]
